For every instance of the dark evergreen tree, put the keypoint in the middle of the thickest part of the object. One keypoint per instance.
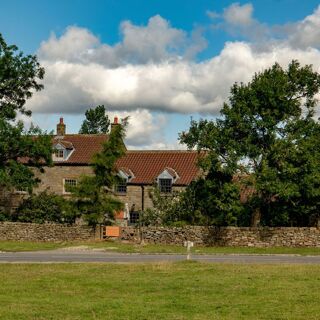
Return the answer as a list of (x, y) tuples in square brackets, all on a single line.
[(96, 121), (94, 194)]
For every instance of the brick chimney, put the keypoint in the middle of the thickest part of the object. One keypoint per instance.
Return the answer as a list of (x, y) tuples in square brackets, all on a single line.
[(61, 128), (115, 123)]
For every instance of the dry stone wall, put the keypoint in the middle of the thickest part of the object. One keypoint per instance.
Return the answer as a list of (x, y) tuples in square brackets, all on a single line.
[(46, 232), (227, 236)]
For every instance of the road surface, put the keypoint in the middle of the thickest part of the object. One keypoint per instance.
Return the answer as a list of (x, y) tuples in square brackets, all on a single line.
[(60, 256)]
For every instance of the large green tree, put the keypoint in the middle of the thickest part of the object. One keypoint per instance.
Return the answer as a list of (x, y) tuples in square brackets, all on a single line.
[(94, 194), (19, 75), (268, 140), (96, 121), (19, 149)]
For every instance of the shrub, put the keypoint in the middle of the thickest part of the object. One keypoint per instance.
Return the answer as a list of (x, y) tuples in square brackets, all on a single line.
[(46, 207)]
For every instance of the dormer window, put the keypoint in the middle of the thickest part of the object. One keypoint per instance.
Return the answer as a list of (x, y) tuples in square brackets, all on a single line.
[(165, 185), (166, 179), (125, 175), (62, 150)]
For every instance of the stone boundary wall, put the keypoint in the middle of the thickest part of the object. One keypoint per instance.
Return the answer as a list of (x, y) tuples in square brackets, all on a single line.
[(227, 236), (19, 231), (224, 236)]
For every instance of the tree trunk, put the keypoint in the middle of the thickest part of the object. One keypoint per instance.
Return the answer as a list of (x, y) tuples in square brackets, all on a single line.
[(256, 218)]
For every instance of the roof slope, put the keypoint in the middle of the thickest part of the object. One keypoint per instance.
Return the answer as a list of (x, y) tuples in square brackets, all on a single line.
[(147, 165), (85, 147)]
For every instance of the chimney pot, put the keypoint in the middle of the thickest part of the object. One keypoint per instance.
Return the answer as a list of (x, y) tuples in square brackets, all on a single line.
[(61, 120), (115, 121)]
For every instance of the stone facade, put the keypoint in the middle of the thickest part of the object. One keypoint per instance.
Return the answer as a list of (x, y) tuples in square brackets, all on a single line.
[(18, 231), (53, 177), (227, 236), (52, 181), (136, 194)]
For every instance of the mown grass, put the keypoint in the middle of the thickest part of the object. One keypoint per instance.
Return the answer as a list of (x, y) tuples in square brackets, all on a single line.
[(159, 291), (15, 246), (116, 246)]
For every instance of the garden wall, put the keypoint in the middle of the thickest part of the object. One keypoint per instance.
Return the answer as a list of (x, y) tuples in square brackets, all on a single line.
[(227, 236), (46, 232)]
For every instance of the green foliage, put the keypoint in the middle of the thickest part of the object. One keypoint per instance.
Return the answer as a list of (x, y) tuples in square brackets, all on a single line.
[(267, 132), (174, 209), (94, 202), (165, 211), (18, 78), (45, 207), (211, 201), (96, 121), (94, 194), (104, 162)]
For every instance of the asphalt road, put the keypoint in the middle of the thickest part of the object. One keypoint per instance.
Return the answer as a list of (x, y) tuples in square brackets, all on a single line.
[(60, 256)]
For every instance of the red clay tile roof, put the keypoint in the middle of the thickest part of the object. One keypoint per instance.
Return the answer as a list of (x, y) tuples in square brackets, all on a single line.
[(147, 165), (66, 144), (85, 146)]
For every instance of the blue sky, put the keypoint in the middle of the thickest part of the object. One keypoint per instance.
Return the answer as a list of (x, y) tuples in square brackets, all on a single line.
[(160, 62)]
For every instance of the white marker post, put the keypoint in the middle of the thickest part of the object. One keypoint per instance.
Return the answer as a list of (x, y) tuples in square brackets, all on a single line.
[(188, 244)]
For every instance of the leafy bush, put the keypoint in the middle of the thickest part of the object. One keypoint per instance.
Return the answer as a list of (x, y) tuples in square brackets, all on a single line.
[(172, 209), (46, 207), (4, 216)]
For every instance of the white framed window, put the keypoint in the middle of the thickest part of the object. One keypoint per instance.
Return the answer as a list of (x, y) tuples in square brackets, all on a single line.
[(59, 153), (121, 187), (165, 185), (68, 184)]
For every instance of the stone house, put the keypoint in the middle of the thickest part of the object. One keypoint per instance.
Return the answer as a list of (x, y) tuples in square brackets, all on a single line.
[(170, 170), (140, 170)]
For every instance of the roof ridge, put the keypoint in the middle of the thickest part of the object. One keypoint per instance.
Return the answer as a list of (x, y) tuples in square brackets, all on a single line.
[(162, 151), (82, 135)]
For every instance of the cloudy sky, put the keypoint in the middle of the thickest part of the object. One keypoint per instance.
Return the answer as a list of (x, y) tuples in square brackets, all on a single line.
[(161, 62)]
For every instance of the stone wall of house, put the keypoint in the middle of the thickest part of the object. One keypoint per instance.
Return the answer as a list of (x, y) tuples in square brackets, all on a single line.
[(46, 232), (52, 181), (133, 197), (10, 201), (227, 236), (53, 177)]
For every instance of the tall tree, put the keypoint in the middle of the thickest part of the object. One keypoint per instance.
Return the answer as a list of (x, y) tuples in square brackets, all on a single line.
[(94, 194), (268, 134), (96, 121), (19, 76)]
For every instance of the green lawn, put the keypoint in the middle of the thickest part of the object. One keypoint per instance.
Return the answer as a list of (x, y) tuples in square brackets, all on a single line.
[(185, 290), (116, 246)]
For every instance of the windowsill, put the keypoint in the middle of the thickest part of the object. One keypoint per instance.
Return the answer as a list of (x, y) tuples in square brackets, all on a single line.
[(120, 193)]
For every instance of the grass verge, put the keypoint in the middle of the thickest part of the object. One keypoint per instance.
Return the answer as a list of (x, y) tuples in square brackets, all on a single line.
[(116, 246), (159, 291)]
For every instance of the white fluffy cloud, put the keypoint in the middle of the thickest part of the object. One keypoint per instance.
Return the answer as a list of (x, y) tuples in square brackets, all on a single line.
[(178, 86), (238, 15), (144, 129), (306, 33), (152, 67), (155, 42)]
